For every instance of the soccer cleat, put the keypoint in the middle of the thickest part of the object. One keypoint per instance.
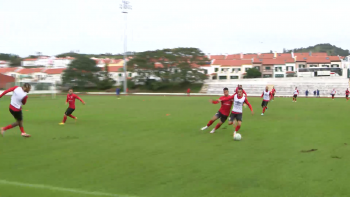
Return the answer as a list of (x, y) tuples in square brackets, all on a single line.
[(204, 128), (2, 131), (212, 131), (61, 123), (234, 134), (25, 135)]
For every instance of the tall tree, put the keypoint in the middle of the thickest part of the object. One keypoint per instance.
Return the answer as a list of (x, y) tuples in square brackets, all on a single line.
[(82, 72), (170, 65)]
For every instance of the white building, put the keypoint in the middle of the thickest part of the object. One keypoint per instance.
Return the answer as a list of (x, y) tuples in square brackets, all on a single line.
[(4, 64)]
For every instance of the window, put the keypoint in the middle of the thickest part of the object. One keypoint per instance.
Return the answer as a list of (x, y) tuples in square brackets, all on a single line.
[(335, 65), (233, 70), (325, 66), (290, 68), (257, 67), (233, 77), (267, 68), (216, 69), (246, 69), (311, 66), (301, 65), (222, 77), (222, 70), (215, 77), (130, 74), (239, 69), (205, 71), (278, 69), (267, 76), (279, 75), (120, 75)]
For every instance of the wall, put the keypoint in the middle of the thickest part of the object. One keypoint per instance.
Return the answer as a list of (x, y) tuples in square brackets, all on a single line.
[(5, 80)]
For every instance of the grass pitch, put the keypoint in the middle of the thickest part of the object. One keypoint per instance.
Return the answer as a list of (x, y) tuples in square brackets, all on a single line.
[(153, 147)]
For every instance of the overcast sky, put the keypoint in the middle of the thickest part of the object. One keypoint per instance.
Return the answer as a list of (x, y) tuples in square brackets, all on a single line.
[(220, 26)]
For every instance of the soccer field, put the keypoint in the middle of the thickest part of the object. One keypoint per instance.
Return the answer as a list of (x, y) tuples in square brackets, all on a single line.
[(152, 147)]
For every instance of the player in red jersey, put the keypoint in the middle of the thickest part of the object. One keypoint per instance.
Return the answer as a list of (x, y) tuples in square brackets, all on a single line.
[(267, 97), (188, 91), (18, 98), (223, 112), (273, 92), (240, 87), (295, 94), (71, 99), (237, 110), (347, 94)]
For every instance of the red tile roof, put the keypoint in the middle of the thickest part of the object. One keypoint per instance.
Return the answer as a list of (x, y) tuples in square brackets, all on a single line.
[(29, 59), (234, 56), (10, 69), (257, 61), (319, 60), (266, 55), (217, 57), (276, 61), (30, 70), (231, 62), (283, 55), (334, 59), (54, 71), (114, 68), (302, 58)]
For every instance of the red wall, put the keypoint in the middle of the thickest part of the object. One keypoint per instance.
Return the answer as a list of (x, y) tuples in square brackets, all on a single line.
[(4, 80)]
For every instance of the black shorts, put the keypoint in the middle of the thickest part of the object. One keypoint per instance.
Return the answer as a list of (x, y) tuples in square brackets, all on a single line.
[(69, 111), (347, 96), (264, 103), (222, 117), (233, 116), (17, 115), (273, 94), (295, 96), (333, 95)]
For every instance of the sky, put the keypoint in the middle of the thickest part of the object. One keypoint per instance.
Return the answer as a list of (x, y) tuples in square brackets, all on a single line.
[(216, 27)]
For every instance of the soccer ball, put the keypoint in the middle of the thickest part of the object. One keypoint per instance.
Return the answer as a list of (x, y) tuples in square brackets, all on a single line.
[(237, 137)]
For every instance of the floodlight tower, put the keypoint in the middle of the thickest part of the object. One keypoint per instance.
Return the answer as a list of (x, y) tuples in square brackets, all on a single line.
[(125, 6)]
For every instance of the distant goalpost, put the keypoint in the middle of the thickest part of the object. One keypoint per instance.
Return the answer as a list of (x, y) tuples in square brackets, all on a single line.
[(38, 88)]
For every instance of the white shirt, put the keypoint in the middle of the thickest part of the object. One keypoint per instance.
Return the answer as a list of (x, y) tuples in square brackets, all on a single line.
[(266, 96), (296, 92), (333, 92), (17, 97), (238, 104)]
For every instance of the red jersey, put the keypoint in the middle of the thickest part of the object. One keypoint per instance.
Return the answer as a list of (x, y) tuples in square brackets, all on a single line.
[(347, 92), (225, 106), (71, 99), (273, 91), (188, 90)]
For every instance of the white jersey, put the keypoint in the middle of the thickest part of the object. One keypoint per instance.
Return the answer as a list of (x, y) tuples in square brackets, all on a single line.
[(266, 95), (296, 92), (17, 97), (238, 104), (333, 92)]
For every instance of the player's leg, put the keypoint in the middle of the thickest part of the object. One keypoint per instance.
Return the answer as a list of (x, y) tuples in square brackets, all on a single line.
[(296, 98), (71, 116), (239, 123), (223, 119), (13, 125), (23, 133), (67, 113), (212, 120)]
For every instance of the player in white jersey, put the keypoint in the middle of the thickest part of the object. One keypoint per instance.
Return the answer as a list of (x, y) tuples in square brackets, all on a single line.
[(18, 98), (266, 95), (237, 109), (295, 94), (333, 93)]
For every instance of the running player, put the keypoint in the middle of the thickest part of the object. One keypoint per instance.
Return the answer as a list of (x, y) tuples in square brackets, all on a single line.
[(71, 99), (237, 110), (273, 91), (347, 94), (333, 93), (266, 95), (295, 94), (18, 98), (223, 112)]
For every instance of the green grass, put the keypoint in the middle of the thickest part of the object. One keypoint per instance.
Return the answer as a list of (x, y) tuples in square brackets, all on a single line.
[(131, 147)]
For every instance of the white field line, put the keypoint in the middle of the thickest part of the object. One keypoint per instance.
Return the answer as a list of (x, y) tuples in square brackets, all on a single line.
[(62, 189)]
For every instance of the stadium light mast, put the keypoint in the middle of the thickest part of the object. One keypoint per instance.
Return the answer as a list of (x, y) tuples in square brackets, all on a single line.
[(125, 6)]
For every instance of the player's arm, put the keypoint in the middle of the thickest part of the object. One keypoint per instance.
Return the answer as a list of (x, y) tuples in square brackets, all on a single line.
[(245, 93), (227, 98), (24, 100), (67, 100), (262, 95), (81, 100), (8, 90), (270, 95), (249, 105)]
